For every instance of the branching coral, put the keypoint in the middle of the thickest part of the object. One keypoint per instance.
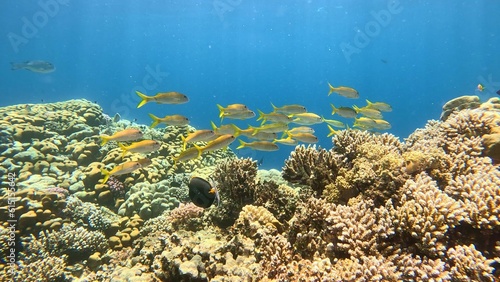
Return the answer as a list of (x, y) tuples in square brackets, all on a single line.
[(426, 214), (467, 264)]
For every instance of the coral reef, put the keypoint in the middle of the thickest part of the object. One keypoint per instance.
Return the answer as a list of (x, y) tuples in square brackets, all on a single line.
[(372, 207)]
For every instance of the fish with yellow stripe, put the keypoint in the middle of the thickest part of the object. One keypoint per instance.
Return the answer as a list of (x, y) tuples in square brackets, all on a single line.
[(175, 120), (125, 168), (129, 134), (163, 98), (345, 91), (144, 146)]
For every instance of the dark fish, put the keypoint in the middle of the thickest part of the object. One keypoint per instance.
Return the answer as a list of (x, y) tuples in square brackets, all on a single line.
[(34, 66), (498, 92), (202, 193)]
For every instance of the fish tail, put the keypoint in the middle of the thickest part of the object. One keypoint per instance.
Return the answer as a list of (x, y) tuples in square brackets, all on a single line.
[(183, 142), (106, 175), (237, 130), (221, 111), (242, 144), (331, 89), (368, 103), (199, 149), (124, 149), (105, 139), (332, 131), (155, 119), (284, 134), (261, 116), (144, 98), (334, 110), (14, 66), (356, 109)]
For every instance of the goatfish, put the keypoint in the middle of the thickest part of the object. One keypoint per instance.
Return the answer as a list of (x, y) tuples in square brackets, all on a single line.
[(176, 120), (123, 168), (304, 137), (220, 142), (231, 109), (129, 134), (144, 162), (273, 117), (364, 123), (332, 131), (347, 92), (381, 106), (344, 111), (289, 109), (189, 154), (368, 112), (381, 124), (300, 129), (307, 119), (249, 132), (238, 115), (163, 98), (144, 146), (270, 128), (34, 66), (223, 129), (335, 123), (259, 146), (198, 136), (286, 141)]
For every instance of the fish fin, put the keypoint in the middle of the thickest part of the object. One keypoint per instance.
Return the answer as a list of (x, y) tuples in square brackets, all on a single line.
[(274, 107), (242, 144), (284, 134), (214, 127), (105, 139), (124, 149), (221, 111), (332, 131), (368, 103), (155, 119), (144, 98), (331, 89), (334, 110), (106, 175)]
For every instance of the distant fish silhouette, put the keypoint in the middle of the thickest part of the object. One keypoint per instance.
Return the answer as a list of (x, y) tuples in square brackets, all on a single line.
[(34, 66), (383, 61), (498, 92)]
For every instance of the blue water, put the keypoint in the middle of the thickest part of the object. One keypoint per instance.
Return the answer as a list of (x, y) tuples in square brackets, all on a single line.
[(414, 55)]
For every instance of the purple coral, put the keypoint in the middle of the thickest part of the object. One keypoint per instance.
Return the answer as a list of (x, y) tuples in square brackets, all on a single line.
[(116, 187)]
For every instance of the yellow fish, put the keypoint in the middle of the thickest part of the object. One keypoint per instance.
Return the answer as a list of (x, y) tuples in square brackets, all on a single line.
[(273, 117), (221, 142), (381, 106), (163, 98), (239, 115), (300, 129), (231, 109), (259, 146), (344, 111), (335, 123), (381, 124), (176, 120), (347, 92), (129, 134), (304, 137), (307, 119), (286, 141), (124, 168), (223, 129), (364, 123), (270, 128), (289, 109), (144, 146), (198, 136), (189, 154), (368, 112), (144, 162)]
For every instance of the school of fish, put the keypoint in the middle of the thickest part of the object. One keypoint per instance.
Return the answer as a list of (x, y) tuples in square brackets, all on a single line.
[(293, 122)]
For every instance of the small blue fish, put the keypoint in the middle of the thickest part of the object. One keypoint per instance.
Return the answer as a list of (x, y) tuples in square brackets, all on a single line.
[(34, 66)]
